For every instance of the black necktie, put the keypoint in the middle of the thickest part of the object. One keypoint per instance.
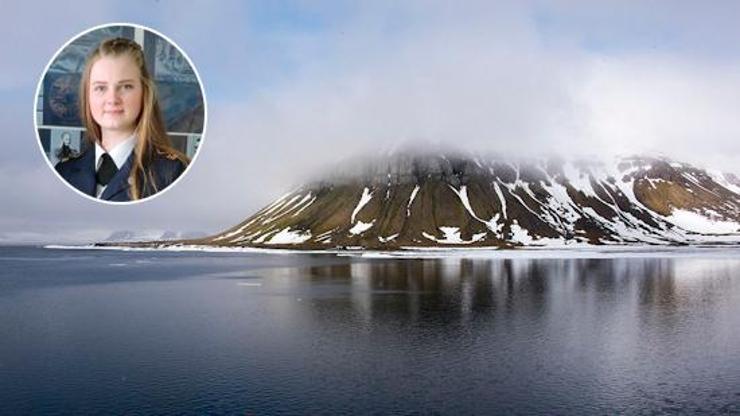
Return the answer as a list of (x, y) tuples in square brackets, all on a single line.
[(106, 170)]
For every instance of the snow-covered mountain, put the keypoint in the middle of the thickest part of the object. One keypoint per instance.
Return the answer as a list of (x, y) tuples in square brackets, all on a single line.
[(122, 236), (453, 200)]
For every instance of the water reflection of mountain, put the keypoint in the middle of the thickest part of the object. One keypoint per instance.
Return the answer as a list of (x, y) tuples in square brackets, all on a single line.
[(317, 334), (460, 292)]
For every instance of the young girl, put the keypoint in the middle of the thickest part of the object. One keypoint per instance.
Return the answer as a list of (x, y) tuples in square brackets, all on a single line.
[(131, 156)]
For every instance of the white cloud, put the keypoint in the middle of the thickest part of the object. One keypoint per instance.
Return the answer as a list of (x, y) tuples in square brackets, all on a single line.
[(684, 109), (483, 86)]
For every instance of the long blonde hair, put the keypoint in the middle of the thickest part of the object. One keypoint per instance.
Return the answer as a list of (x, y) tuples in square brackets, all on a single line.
[(150, 127)]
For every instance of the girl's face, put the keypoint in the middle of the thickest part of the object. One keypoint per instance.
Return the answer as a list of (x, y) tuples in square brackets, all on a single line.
[(115, 94)]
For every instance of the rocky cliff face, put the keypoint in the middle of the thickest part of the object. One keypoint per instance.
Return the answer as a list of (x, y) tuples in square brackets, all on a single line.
[(456, 200)]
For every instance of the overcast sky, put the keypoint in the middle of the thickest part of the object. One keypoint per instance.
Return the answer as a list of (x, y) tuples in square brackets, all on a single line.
[(292, 86)]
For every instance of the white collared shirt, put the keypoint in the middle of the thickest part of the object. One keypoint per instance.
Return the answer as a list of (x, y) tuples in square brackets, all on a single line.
[(119, 154)]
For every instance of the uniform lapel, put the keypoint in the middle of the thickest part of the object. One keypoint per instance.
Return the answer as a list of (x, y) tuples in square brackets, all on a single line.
[(82, 176), (119, 182)]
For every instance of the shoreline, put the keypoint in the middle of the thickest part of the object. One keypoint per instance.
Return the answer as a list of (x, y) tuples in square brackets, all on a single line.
[(562, 252)]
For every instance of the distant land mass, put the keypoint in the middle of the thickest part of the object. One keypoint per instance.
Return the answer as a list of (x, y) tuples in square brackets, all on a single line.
[(129, 236), (457, 200)]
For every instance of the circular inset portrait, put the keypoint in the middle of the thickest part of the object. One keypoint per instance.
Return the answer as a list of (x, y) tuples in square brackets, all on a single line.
[(120, 112)]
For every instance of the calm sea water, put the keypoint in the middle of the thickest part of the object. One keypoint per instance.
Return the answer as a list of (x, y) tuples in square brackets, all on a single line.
[(104, 332)]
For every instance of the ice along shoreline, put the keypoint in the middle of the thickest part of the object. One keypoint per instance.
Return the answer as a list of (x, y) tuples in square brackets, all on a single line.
[(565, 252)]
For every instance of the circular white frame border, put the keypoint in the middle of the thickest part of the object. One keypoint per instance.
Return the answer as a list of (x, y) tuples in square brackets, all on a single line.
[(202, 93)]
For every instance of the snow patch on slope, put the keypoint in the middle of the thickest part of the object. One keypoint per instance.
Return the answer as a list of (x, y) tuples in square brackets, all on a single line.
[(452, 236), (361, 227), (411, 200), (521, 235), (306, 205), (693, 221), (364, 199), (288, 236), (491, 224), (387, 239), (720, 178)]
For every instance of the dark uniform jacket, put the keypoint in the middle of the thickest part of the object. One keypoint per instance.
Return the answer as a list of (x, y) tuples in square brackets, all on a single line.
[(80, 173)]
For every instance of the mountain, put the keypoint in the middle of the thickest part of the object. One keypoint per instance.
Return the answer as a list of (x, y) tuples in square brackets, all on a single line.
[(453, 200), (133, 236), (128, 235), (182, 235)]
